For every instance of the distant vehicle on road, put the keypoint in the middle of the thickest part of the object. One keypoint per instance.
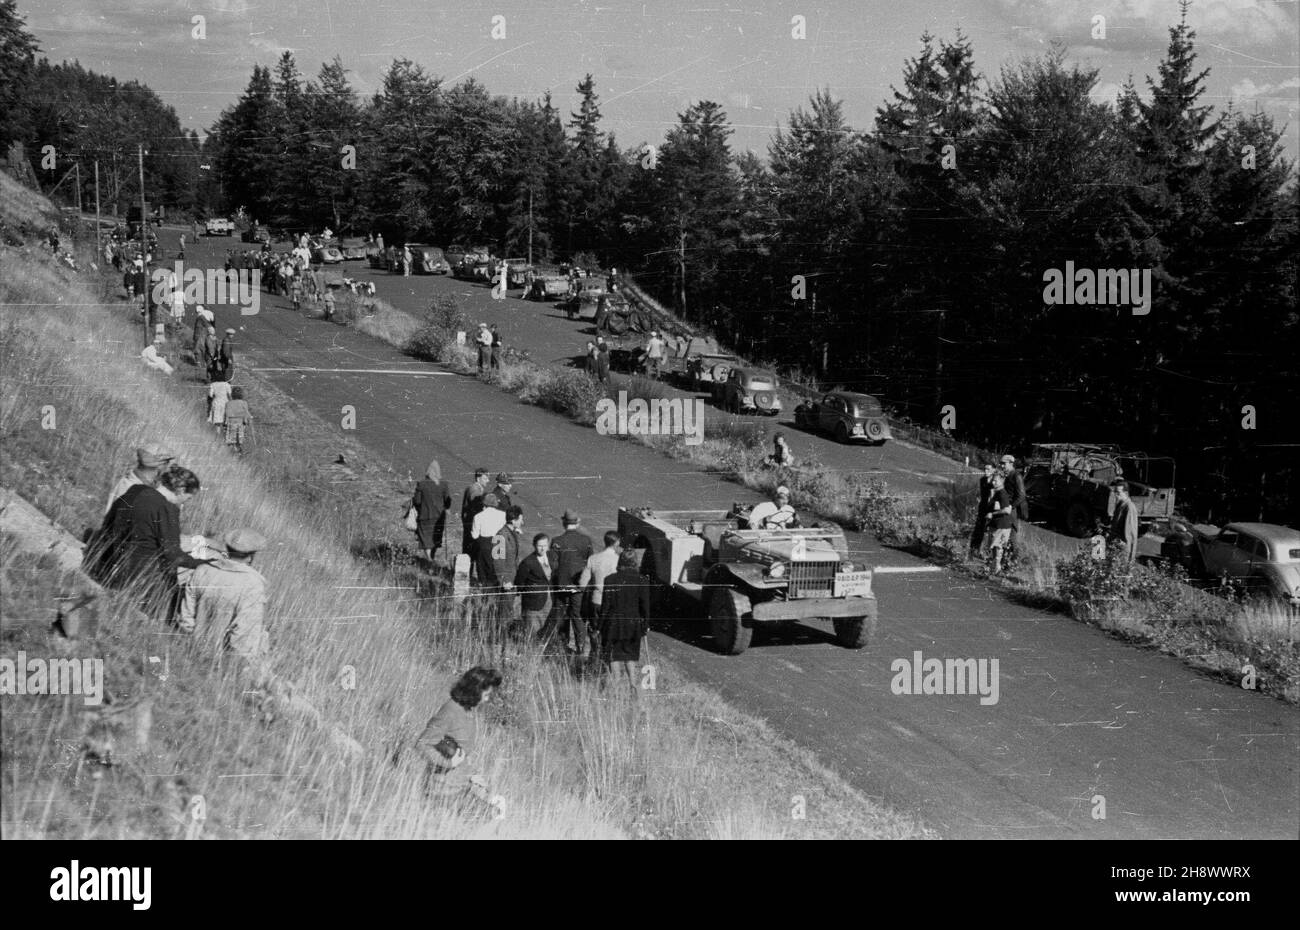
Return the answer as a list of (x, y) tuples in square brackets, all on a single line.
[(705, 369), (353, 248), (1068, 485), (749, 390), (711, 562), (219, 226), (1264, 557), (427, 259), (846, 415), (326, 255), (548, 285), (255, 234), (590, 291)]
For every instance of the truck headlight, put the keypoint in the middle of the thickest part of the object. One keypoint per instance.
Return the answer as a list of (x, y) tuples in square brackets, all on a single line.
[(776, 570)]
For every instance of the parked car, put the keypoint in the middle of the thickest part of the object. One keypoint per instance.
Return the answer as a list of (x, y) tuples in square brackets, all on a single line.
[(427, 259), (705, 369), (846, 415), (1265, 557), (255, 233), (548, 285), (375, 256), (353, 248), (326, 255), (749, 390), (1068, 485), (219, 226)]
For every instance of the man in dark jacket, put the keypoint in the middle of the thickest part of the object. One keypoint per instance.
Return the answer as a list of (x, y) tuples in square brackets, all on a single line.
[(572, 548), (982, 512), (624, 620), (1014, 485), (226, 355), (535, 580), (505, 487), (471, 502), (602, 362), (1124, 523)]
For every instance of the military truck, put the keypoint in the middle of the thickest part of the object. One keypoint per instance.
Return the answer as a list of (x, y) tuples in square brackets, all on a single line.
[(709, 563), (1068, 485)]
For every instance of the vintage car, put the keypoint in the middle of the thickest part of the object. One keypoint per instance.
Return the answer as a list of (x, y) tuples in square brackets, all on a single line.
[(457, 255), (353, 248), (548, 285), (1068, 485), (704, 369), (255, 233), (326, 254), (846, 415), (749, 390), (376, 257), (427, 259), (219, 226), (588, 294), (1264, 557)]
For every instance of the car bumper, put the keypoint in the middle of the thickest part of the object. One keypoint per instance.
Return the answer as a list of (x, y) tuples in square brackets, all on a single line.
[(809, 608)]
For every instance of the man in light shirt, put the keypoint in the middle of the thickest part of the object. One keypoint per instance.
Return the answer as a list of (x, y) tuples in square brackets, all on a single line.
[(487, 523), (600, 565)]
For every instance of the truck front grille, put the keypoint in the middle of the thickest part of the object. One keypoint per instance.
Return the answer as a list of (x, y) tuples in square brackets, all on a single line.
[(812, 579)]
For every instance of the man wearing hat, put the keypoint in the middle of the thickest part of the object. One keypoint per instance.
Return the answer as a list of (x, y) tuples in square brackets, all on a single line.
[(1014, 485), (486, 524), (149, 461), (572, 549), (654, 354), (471, 502), (505, 484), (202, 319), (484, 340), (774, 514), (225, 601)]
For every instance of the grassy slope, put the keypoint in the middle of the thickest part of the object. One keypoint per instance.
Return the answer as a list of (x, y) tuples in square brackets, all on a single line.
[(566, 760)]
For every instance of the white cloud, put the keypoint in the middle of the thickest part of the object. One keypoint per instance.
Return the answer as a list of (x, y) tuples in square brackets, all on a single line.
[(1249, 90), (1131, 23)]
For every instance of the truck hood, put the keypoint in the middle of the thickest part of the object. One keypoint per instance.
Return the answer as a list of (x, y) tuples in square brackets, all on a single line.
[(818, 550)]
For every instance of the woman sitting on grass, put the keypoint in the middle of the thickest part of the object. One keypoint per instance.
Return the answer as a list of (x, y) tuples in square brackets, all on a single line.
[(451, 734)]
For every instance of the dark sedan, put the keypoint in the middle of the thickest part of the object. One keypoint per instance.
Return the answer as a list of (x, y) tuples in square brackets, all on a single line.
[(847, 416)]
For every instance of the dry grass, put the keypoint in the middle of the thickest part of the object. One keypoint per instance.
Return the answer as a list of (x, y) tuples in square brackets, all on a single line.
[(565, 758)]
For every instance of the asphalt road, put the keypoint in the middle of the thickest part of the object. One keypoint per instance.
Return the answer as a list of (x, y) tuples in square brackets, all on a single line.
[(1079, 716)]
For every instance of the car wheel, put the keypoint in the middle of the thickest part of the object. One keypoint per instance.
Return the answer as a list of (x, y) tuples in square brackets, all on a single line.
[(731, 620), (855, 632)]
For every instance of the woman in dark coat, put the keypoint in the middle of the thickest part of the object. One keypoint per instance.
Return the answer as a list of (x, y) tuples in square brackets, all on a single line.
[(624, 620), (140, 542), (431, 499)]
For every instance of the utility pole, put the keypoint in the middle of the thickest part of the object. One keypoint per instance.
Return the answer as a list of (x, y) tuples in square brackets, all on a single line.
[(77, 165), (98, 247), (530, 224), (144, 244), (681, 265)]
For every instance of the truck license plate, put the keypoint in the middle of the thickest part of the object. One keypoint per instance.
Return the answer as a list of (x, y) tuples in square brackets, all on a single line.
[(852, 584)]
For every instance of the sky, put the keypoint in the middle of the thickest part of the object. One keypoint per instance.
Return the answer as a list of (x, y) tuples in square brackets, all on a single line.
[(652, 60)]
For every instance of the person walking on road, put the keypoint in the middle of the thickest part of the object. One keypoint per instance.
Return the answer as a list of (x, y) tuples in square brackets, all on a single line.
[(226, 355), (624, 622), (535, 582), (218, 397), (431, 500), (572, 549), (237, 421)]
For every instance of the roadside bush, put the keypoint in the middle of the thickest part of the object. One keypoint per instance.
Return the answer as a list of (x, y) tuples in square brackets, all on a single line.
[(875, 509), (437, 331), (571, 393)]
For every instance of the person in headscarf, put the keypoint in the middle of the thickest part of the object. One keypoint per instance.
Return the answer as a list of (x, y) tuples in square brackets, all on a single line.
[(431, 500)]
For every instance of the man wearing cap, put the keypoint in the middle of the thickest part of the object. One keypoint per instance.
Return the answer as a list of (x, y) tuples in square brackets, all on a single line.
[(572, 550), (1014, 485), (487, 523), (149, 461), (774, 514), (225, 601), (505, 484), (654, 354)]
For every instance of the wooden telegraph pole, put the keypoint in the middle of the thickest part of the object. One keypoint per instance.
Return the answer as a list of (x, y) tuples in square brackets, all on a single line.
[(99, 250), (144, 244)]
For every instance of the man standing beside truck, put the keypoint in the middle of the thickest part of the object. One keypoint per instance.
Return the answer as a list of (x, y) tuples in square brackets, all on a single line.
[(572, 549)]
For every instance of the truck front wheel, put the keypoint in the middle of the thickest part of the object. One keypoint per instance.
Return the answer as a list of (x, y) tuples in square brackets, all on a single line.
[(732, 621), (855, 632)]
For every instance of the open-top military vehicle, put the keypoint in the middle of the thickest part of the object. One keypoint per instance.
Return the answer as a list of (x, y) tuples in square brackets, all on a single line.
[(1068, 485), (708, 562)]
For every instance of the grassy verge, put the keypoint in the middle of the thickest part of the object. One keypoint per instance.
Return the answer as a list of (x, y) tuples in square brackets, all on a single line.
[(565, 758), (1148, 606)]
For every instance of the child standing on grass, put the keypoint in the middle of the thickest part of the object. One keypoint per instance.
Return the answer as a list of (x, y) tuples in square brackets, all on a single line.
[(218, 398), (295, 293), (238, 419)]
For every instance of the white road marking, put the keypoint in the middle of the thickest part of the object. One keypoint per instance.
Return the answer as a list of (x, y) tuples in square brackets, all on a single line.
[(905, 569), (364, 371)]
